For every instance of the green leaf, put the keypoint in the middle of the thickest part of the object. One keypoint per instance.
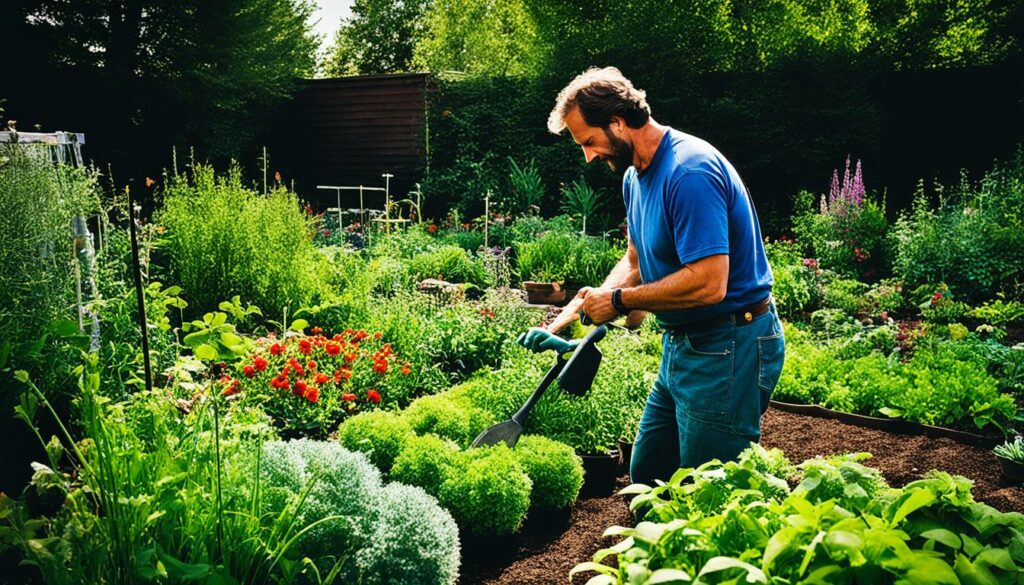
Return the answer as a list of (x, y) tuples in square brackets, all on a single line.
[(996, 557), (63, 327), (970, 574), (598, 567), (909, 502), (662, 576), (716, 564), (21, 376), (891, 412), (218, 319), (299, 325), (230, 339), (181, 571), (636, 488), (943, 536), (205, 352)]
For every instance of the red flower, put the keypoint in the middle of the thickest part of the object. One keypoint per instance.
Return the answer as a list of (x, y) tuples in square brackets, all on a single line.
[(311, 365), (249, 371), (327, 233), (300, 387), (377, 335), (259, 363), (312, 395), (432, 228), (322, 378), (373, 396), (280, 382), (348, 397), (350, 356), (305, 346), (386, 349), (380, 366), (406, 370), (276, 349), (332, 348)]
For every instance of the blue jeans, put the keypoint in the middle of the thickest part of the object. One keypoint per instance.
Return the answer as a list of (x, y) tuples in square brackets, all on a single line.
[(712, 388)]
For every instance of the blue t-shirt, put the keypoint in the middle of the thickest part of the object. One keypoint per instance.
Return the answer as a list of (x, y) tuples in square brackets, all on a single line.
[(690, 203)]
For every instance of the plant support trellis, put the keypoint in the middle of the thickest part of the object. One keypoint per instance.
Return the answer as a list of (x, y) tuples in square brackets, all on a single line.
[(65, 148)]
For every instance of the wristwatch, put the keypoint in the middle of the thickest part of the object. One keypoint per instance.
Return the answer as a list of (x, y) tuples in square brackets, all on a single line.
[(617, 302)]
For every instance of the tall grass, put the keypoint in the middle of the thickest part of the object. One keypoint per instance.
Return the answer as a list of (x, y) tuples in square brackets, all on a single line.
[(224, 239)]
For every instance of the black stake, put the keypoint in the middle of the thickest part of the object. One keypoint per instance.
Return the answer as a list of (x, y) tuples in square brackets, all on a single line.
[(138, 292)]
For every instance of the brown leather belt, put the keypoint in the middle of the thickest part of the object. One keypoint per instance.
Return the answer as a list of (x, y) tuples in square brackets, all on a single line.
[(744, 316)]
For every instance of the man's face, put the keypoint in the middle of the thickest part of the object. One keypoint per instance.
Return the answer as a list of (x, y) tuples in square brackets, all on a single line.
[(599, 143)]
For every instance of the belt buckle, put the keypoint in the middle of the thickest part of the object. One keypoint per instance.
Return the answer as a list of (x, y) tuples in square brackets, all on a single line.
[(748, 317)]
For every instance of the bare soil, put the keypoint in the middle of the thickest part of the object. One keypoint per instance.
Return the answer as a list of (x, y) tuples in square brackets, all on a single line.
[(548, 548)]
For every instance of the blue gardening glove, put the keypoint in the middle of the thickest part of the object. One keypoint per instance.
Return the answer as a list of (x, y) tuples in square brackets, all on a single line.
[(538, 340)]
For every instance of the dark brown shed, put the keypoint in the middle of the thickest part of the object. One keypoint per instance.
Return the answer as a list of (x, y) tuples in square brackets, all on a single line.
[(349, 131)]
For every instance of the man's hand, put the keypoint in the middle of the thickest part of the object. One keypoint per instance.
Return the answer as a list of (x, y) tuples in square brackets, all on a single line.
[(538, 340), (597, 304)]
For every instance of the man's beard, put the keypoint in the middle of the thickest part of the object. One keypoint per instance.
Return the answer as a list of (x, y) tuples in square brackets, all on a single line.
[(621, 157)]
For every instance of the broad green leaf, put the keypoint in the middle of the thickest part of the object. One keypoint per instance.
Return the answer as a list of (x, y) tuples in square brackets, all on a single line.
[(909, 502), (972, 574), (598, 567), (299, 325), (205, 352), (21, 376), (943, 536), (230, 339), (716, 564), (663, 576), (182, 571), (63, 327), (172, 291), (636, 488), (996, 557)]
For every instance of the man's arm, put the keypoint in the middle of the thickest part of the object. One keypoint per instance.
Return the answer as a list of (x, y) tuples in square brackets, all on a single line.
[(699, 283), (625, 274)]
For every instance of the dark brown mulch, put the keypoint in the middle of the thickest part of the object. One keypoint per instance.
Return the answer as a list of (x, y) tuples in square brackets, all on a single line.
[(547, 549)]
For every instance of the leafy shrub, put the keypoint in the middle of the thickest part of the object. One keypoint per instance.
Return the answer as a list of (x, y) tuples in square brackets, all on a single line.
[(449, 263), (768, 461), (379, 434), (327, 471), (491, 495), (415, 541), (844, 294), (569, 258), (941, 307), (554, 469), (847, 238), (590, 424), (973, 240), (886, 296), (998, 312), (224, 240), (426, 461), (795, 288), (460, 422)]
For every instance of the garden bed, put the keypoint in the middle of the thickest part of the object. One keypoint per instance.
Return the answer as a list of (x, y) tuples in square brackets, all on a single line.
[(544, 555)]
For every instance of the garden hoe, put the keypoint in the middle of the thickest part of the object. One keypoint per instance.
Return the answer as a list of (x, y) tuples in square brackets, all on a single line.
[(575, 376)]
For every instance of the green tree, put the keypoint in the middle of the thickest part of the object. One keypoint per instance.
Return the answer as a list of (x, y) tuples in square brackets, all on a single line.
[(378, 38), (480, 38), (202, 74)]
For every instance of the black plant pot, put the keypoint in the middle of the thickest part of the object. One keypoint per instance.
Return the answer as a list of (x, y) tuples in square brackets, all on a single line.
[(1012, 471), (599, 474)]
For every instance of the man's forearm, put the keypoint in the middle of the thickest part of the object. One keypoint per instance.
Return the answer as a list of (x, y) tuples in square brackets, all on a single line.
[(686, 288)]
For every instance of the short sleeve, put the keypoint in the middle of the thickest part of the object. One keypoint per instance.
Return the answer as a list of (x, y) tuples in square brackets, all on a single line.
[(698, 207)]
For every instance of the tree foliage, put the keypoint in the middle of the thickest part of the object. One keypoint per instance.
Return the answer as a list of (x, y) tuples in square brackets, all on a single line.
[(378, 38)]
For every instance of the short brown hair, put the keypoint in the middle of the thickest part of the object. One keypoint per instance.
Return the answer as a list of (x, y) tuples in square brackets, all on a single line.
[(600, 94)]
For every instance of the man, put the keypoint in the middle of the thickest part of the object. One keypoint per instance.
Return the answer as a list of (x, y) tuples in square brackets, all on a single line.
[(696, 260)]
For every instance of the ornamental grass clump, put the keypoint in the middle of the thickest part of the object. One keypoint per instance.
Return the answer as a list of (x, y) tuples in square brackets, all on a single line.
[(554, 469), (451, 264), (490, 495), (415, 541), (379, 434)]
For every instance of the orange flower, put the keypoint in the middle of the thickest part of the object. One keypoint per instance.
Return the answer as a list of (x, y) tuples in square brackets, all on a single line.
[(373, 396), (312, 395), (277, 176), (348, 397), (150, 182), (322, 378), (406, 370)]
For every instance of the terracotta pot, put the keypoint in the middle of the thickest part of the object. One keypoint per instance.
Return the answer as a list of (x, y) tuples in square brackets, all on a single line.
[(544, 293), (599, 474)]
